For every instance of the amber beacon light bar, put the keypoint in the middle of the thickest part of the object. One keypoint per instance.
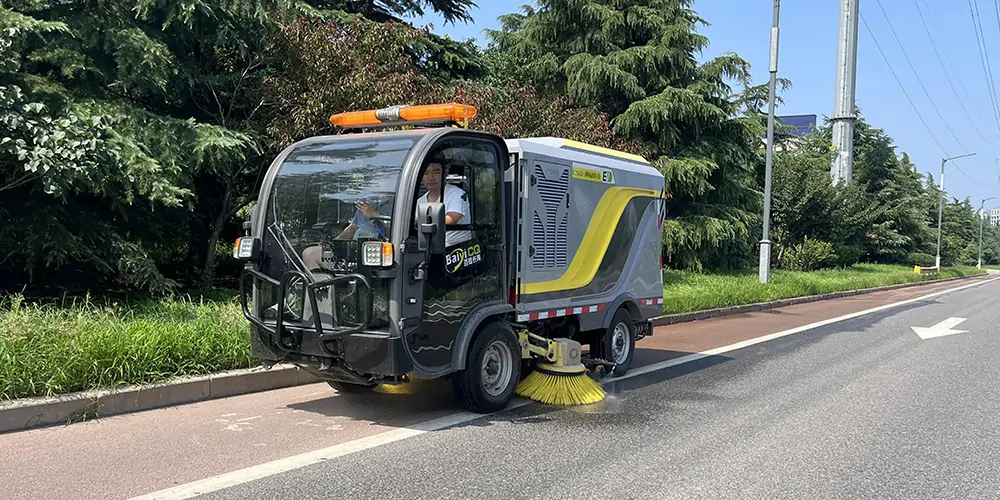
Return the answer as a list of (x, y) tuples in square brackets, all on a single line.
[(428, 114)]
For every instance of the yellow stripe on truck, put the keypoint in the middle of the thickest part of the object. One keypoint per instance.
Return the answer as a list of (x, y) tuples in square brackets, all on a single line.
[(594, 244), (601, 150)]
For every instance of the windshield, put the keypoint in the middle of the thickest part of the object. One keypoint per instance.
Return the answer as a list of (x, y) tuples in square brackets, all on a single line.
[(334, 195)]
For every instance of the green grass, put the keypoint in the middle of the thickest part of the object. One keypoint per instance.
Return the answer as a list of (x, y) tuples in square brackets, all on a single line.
[(686, 292), (48, 349)]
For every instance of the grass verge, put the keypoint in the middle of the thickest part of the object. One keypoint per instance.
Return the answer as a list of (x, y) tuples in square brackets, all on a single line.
[(687, 292), (49, 349)]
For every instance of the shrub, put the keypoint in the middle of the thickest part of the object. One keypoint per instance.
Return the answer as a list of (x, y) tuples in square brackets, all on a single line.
[(921, 259), (809, 255)]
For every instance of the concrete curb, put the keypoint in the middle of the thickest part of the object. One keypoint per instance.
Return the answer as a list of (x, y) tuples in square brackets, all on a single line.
[(23, 414), (672, 319)]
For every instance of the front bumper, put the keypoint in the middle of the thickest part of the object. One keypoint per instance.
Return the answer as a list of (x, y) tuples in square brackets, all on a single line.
[(342, 353)]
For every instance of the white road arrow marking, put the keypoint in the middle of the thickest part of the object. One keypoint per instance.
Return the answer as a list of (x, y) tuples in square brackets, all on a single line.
[(939, 330)]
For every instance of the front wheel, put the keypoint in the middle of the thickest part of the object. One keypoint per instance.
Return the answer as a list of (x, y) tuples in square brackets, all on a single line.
[(619, 342), (492, 370)]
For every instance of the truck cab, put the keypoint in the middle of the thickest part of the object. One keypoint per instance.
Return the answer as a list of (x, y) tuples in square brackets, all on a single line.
[(359, 274)]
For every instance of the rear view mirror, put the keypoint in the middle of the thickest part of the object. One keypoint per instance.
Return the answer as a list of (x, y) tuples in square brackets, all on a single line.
[(431, 229)]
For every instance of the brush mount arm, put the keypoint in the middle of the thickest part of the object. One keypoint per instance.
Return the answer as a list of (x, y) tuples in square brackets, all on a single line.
[(562, 353)]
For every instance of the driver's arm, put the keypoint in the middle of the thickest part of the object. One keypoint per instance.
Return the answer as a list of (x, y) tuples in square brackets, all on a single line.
[(456, 205), (347, 233)]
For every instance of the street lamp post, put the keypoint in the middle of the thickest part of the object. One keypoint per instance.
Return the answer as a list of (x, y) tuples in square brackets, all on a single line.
[(937, 260), (765, 243), (981, 204)]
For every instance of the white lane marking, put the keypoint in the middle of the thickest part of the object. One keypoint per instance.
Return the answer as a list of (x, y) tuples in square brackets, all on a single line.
[(939, 330), (784, 333), (238, 477), (248, 474)]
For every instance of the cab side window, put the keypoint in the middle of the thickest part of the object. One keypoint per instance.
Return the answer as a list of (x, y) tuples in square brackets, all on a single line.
[(486, 202), (469, 182)]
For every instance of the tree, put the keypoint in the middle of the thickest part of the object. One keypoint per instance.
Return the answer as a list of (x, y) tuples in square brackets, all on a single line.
[(806, 205), (394, 10), (327, 67), (635, 60), (895, 184), (162, 87), (439, 56)]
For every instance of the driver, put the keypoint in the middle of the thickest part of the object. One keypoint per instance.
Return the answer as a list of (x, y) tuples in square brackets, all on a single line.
[(361, 226), (456, 202)]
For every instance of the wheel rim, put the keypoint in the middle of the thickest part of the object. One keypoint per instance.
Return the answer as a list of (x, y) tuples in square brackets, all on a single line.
[(498, 367), (619, 343)]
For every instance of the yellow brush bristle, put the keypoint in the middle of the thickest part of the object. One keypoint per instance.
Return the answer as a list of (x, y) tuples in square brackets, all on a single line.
[(560, 389)]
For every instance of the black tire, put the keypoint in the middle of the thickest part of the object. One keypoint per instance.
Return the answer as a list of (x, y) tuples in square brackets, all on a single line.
[(348, 388), (622, 319), (469, 385)]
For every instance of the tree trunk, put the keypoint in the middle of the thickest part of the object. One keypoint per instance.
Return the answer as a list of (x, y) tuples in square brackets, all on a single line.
[(224, 212), (199, 228), (208, 269)]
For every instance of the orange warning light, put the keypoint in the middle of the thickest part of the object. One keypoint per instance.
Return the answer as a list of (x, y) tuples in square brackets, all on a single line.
[(429, 113)]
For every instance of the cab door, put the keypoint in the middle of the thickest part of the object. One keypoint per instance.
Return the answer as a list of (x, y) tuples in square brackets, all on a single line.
[(470, 272)]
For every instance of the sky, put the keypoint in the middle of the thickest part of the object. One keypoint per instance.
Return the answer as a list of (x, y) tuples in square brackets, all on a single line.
[(950, 95)]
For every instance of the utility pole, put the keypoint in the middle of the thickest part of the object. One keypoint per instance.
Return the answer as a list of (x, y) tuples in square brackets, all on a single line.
[(937, 260), (981, 214), (842, 168), (765, 242)]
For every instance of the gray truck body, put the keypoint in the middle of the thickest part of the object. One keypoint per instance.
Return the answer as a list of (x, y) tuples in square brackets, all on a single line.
[(589, 231)]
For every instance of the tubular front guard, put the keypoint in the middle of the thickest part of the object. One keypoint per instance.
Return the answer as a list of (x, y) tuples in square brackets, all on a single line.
[(346, 353), (293, 339)]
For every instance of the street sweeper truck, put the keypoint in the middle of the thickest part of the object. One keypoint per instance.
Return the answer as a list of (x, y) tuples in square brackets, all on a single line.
[(378, 256)]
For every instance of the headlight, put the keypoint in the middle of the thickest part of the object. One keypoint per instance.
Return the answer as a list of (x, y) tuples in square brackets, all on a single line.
[(244, 248), (376, 254)]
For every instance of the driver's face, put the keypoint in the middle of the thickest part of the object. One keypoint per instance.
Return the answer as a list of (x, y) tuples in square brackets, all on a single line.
[(432, 176)]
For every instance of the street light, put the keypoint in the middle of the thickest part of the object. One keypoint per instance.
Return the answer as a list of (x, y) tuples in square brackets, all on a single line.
[(980, 264), (937, 260), (764, 270)]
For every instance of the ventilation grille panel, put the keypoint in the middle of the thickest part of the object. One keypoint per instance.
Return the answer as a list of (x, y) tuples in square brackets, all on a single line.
[(550, 218)]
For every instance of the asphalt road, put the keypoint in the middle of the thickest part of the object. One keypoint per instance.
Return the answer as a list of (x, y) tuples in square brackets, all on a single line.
[(857, 409)]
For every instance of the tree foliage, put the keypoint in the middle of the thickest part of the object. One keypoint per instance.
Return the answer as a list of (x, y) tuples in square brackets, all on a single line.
[(888, 214), (636, 61), (363, 65), (133, 132)]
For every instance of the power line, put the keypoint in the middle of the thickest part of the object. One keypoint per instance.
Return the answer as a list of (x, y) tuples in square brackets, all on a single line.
[(900, 83), (984, 56), (951, 83), (907, 95), (956, 165), (919, 80), (947, 57)]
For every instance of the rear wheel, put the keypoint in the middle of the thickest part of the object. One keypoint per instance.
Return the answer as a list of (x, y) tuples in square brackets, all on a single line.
[(492, 370), (618, 343)]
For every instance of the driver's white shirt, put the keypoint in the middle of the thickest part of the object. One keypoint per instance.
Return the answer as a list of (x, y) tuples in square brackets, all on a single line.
[(454, 201)]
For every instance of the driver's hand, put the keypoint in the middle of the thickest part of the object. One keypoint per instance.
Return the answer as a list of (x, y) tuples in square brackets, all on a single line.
[(366, 209)]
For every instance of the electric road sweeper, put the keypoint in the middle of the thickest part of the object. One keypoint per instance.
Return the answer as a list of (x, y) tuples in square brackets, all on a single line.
[(379, 256)]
